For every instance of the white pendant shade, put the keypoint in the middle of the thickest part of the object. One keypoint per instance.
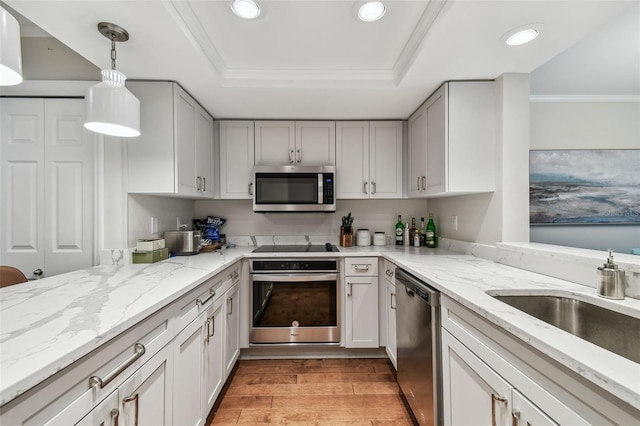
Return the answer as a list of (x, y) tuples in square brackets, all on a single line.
[(10, 52), (110, 108)]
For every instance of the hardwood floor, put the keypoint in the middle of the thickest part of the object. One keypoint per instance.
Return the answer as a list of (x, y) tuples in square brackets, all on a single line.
[(312, 392)]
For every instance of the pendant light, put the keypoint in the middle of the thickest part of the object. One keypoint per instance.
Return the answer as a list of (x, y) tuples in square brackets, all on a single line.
[(10, 56), (110, 108)]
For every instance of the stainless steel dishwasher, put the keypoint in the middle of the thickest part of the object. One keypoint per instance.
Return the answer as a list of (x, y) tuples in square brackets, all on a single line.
[(418, 337)]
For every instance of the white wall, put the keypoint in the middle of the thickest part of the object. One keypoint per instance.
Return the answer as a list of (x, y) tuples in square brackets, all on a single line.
[(504, 214), (586, 125), (45, 58), (143, 207), (376, 215)]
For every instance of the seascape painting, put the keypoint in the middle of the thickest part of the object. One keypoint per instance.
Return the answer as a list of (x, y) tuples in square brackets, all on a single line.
[(584, 187)]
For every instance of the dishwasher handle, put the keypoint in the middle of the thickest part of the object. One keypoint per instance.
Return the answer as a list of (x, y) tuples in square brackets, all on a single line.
[(414, 285)]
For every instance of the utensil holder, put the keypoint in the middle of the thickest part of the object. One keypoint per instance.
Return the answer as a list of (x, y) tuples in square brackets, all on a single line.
[(346, 236)]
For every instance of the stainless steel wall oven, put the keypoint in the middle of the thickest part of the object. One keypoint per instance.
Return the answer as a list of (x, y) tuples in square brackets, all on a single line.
[(295, 301)]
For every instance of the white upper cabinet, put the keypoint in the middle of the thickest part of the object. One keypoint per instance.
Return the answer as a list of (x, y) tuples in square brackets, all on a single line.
[(452, 141), (174, 153), (369, 159), (236, 159), (295, 142)]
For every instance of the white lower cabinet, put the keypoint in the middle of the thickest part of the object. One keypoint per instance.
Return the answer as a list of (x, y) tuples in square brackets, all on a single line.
[(146, 396), (213, 354), (490, 377), (105, 414), (188, 380), (361, 302), (232, 327), (390, 308)]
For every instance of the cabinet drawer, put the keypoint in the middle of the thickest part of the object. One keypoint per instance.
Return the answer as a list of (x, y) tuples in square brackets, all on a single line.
[(112, 363), (193, 303), (355, 266)]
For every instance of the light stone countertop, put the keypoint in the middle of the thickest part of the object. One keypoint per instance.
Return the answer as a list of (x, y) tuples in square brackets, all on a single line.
[(48, 324)]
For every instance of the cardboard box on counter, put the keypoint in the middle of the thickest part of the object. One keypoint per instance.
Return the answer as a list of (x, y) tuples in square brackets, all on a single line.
[(150, 256), (150, 244)]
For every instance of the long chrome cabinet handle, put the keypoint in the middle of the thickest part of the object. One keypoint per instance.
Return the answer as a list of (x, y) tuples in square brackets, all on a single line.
[(115, 413), (135, 399), (494, 399), (198, 183), (418, 184), (373, 187), (299, 156), (393, 296), (212, 330), (349, 289), (209, 297), (424, 183), (230, 306), (138, 351), (291, 156), (364, 188), (204, 183), (250, 190)]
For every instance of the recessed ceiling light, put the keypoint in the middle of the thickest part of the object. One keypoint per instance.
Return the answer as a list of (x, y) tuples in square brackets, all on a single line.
[(247, 9), (522, 36), (371, 11)]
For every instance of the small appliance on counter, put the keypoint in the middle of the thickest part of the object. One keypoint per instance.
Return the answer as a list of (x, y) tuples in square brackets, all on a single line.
[(611, 280), (182, 243)]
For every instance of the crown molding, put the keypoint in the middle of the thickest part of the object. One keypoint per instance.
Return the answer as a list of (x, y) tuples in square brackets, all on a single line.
[(190, 24), (585, 98)]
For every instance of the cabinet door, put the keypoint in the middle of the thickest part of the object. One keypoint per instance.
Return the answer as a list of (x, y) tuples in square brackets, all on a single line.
[(236, 159), (417, 152), (146, 396), (390, 308), (68, 187), (22, 185), (47, 169), (437, 130), (315, 142), (213, 359), (185, 140), (188, 349), (275, 142), (361, 306), (472, 392), (232, 327), (385, 159), (204, 153), (352, 160)]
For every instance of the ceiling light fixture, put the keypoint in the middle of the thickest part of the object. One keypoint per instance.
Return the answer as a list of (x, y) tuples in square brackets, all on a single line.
[(10, 51), (247, 9), (110, 108), (522, 36), (371, 11)]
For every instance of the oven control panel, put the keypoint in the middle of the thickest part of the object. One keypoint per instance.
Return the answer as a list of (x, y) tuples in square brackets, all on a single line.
[(294, 265)]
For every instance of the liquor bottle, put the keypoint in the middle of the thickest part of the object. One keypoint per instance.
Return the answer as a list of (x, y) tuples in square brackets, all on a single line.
[(407, 229), (431, 237), (399, 231), (423, 233), (412, 231)]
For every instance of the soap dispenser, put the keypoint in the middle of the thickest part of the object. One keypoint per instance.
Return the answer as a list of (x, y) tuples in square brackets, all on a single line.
[(610, 280)]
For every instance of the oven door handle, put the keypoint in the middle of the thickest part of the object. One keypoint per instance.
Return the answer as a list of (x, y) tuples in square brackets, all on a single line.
[(302, 277)]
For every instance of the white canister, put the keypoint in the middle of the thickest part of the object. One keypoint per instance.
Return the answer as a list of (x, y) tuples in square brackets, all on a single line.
[(379, 239), (363, 237)]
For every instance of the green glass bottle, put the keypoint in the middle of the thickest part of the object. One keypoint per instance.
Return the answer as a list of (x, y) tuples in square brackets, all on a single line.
[(430, 236), (399, 232)]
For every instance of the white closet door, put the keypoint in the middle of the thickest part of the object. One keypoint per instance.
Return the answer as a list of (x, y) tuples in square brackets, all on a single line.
[(69, 187), (22, 184)]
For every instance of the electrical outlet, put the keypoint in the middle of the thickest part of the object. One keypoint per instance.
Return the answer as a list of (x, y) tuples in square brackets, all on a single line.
[(454, 222), (154, 225)]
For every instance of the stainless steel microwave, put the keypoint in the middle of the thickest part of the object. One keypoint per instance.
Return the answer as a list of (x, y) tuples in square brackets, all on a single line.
[(294, 189)]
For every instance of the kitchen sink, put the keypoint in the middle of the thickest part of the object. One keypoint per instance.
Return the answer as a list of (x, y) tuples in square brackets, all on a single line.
[(616, 332)]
